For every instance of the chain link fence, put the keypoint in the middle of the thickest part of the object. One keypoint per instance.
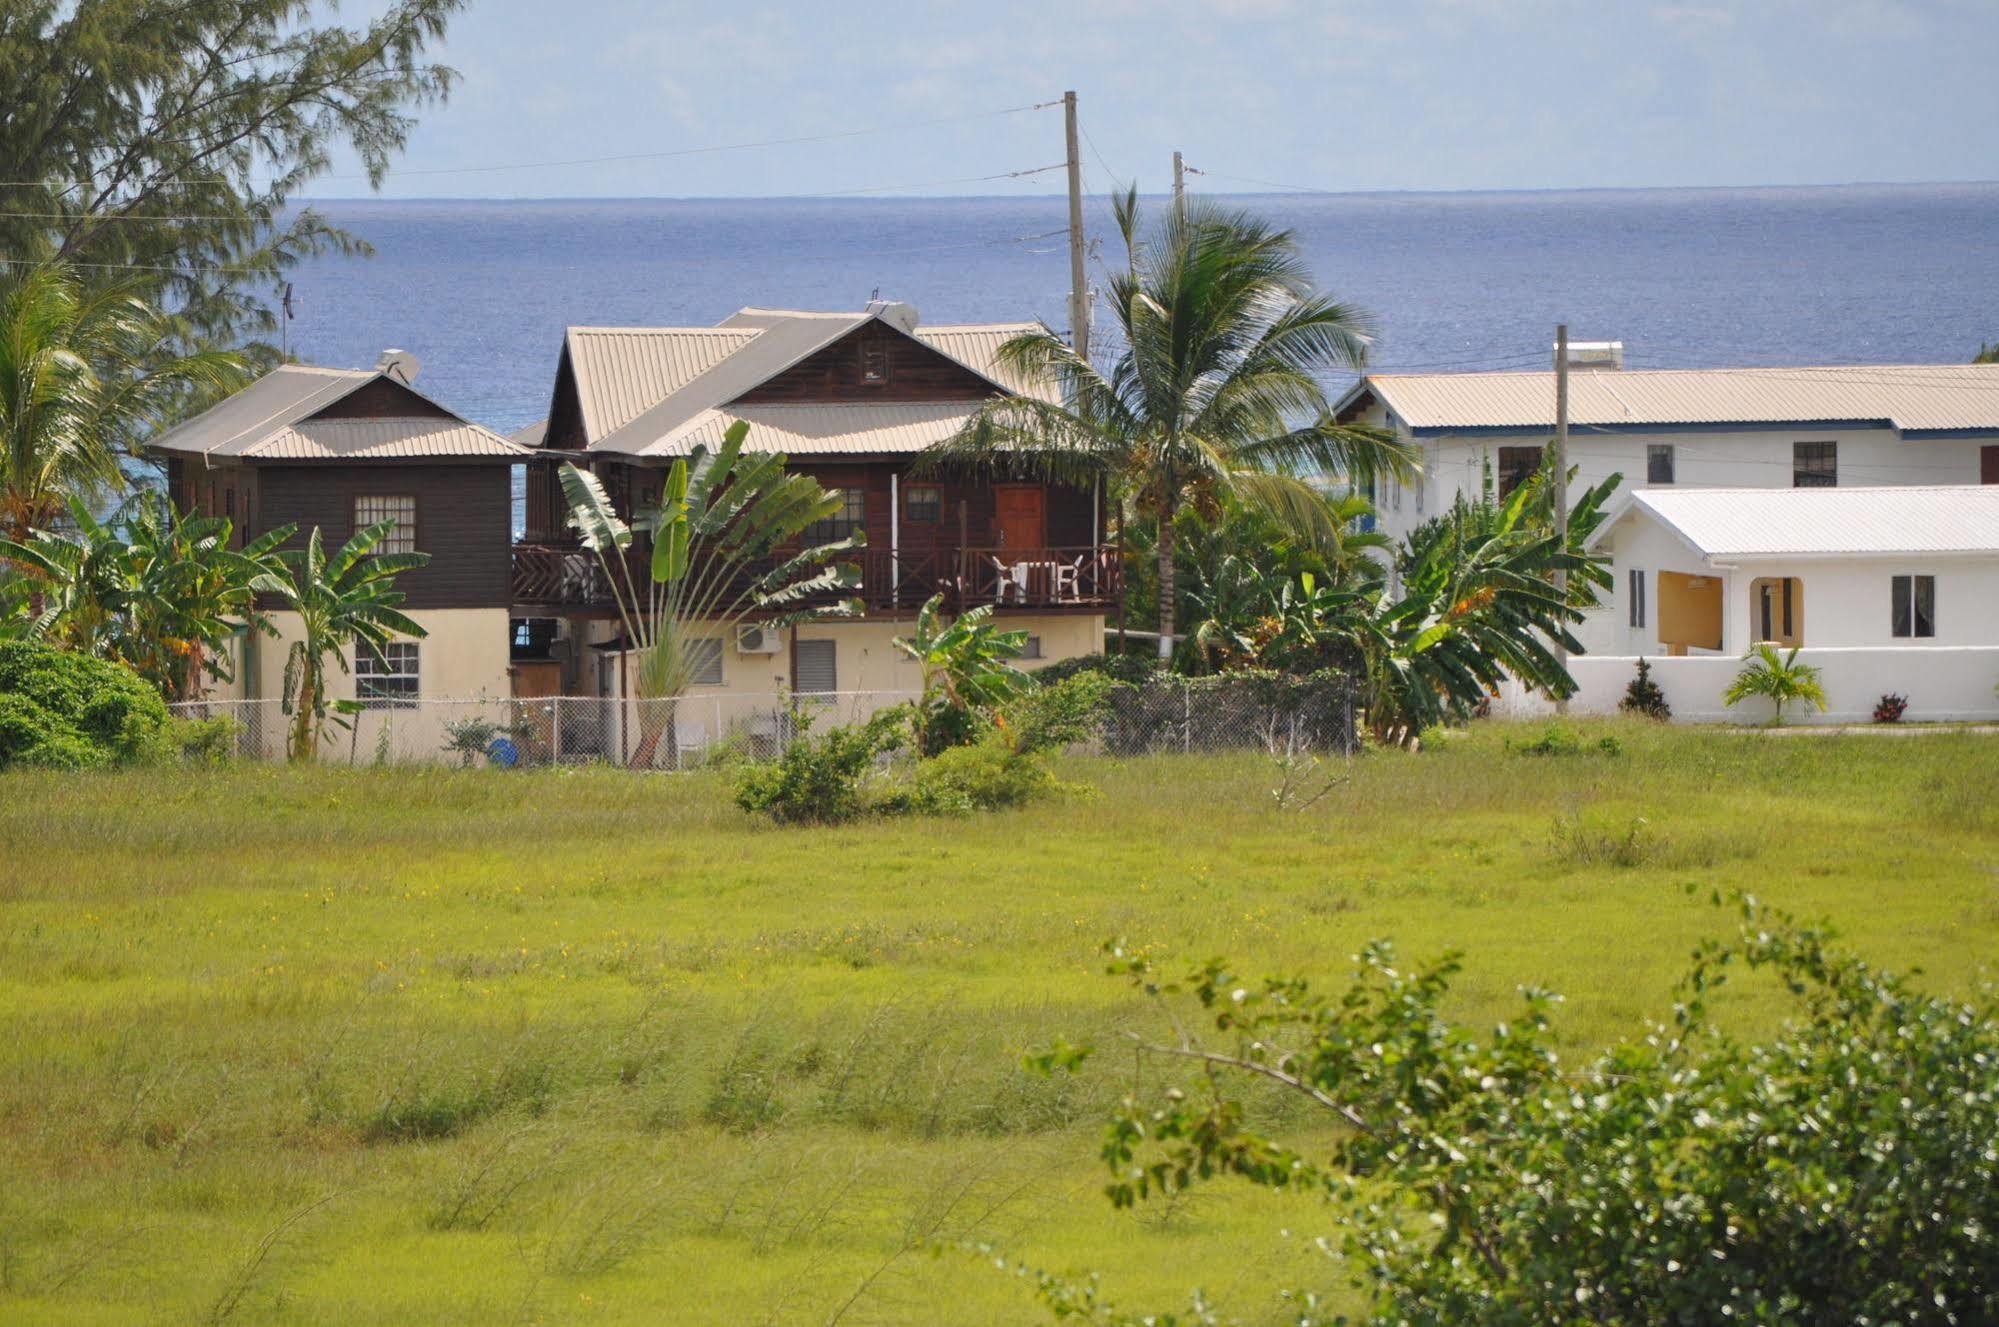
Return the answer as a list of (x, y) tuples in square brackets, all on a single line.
[(1283, 716)]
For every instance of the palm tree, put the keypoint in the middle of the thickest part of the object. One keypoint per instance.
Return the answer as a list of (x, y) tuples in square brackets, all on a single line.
[(349, 597), (1777, 678), (722, 517), (1219, 391), (84, 374)]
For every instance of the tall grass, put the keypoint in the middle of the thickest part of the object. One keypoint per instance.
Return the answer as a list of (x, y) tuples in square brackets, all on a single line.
[(578, 1045)]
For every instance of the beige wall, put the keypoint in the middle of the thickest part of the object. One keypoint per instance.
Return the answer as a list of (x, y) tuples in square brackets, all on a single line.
[(463, 657)]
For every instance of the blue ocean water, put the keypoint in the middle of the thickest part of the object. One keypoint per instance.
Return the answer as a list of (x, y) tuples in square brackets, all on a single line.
[(481, 290)]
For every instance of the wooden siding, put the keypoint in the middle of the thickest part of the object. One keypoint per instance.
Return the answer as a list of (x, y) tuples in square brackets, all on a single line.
[(464, 521), (565, 409), (382, 399), (916, 372)]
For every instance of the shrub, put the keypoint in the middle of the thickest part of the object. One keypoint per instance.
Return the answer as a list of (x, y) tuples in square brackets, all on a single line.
[(1058, 714), (817, 780), (204, 741), (1126, 668), (988, 776), (1644, 697), (1559, 740), (1777, 678), (69, 711), (1889, 708), (1838, 1168)]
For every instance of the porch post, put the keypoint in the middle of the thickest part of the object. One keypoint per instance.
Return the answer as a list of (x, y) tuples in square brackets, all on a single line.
[(894, 541)]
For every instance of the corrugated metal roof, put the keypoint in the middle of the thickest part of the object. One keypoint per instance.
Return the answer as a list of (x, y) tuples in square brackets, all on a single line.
[(1727, 523), (272, 419), (976, 346), (380, 439), (621, 372), (861, 429), (641, 389), (1910, 397)]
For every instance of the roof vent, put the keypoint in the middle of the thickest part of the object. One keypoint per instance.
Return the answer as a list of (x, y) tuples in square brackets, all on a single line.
[(399, 364), (1596, 354), (894, 311)]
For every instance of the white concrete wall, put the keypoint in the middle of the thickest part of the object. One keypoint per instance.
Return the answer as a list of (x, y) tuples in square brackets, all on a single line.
[(1941, 682), (1758, 458)]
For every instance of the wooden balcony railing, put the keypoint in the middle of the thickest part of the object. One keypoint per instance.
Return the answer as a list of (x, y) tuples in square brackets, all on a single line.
[(565, 578)]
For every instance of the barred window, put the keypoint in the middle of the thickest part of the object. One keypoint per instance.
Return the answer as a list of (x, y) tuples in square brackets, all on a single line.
[(852, 515), (1637, 597), (1516, 466), (1814, 465), (1659, 463), (398, 509), (388, 679), (874, 361), (818, 673)]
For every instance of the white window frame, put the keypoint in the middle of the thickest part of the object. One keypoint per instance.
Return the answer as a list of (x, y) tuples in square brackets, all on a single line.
[(1913, 578), (373, 508), (399, 665)]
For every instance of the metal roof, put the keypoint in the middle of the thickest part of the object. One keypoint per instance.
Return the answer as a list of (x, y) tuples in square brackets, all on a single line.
[(643, 389), (1913, 398), (857, 429), (621, 372), (1728, 523), (272, 419)]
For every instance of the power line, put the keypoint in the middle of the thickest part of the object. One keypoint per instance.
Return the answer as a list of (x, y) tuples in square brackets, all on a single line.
[(718, 147)]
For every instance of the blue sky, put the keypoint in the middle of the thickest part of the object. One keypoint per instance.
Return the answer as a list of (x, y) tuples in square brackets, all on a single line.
[(1338, 94)]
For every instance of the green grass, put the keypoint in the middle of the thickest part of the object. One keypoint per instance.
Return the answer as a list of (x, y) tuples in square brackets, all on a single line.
[(435, 1046)]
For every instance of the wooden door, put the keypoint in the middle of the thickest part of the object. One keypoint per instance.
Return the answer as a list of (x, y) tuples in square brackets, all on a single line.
[(1988, 465), (1020, 516), (534, 678)]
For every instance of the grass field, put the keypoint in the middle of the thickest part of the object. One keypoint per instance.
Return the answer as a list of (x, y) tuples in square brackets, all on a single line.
[(458, 1047)]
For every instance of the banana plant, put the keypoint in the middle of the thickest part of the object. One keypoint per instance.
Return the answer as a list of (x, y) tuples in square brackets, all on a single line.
[(967, 671), (720, 540), (348, 596)]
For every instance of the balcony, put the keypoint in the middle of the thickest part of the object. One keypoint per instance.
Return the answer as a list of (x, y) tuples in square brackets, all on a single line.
[(558, 579)]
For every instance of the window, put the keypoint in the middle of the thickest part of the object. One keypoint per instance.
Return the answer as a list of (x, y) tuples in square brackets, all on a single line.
[(817, 675), (1659, 463), (1637, 582), (1814, 465), (874, 361), (851, 516), (387, 680), (400, 511), (1913, 606), (1516, 466), (229, 502), (704, 662), (923, 503), (1031, 649)]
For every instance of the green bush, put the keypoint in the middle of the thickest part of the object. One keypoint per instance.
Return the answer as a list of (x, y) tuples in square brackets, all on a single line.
[(1057, 714), (987, 776), (204, 741), (1117, 667), (817, 781), (1559, 740), (64, 710)]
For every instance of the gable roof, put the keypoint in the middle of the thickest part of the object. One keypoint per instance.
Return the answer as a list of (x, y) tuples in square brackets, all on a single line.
[(1916, 399), (1727, 523), (274, 419), (657, 391)]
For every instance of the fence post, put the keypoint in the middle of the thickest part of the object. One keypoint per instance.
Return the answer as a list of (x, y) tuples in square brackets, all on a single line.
[(555, 735), (1186, 717)]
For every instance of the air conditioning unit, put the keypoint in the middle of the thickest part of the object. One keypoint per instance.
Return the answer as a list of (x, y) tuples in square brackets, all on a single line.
[(757, 640)]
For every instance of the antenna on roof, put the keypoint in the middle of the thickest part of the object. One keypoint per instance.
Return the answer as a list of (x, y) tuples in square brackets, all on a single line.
[(875, 295)]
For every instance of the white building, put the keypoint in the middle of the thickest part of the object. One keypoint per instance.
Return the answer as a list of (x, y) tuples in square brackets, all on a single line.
[(1885, 590), (1764, 428)]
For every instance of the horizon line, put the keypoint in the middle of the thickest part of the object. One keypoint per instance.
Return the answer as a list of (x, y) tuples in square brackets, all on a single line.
[(1278, 191)]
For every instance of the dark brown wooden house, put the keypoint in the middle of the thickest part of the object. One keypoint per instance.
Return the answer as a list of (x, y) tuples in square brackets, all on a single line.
[(851, 399)]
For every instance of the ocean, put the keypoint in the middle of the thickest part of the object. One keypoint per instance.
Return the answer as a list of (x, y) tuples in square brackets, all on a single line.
[(481, 290)]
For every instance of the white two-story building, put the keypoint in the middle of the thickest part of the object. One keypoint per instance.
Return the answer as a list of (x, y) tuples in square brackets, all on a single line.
[(1865, 426)]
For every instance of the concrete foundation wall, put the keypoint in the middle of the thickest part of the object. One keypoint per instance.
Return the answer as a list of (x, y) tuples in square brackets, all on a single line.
[(1941, 682)]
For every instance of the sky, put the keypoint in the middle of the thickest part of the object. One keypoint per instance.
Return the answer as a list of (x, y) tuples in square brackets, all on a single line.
[(1341, 95)]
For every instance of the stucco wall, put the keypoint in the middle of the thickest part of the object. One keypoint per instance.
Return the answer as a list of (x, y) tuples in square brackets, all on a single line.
[(1941, 682)]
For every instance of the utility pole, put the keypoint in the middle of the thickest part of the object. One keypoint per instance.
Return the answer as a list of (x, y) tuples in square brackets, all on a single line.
[(1179, 185), (1079, 288), (1561, 478)]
